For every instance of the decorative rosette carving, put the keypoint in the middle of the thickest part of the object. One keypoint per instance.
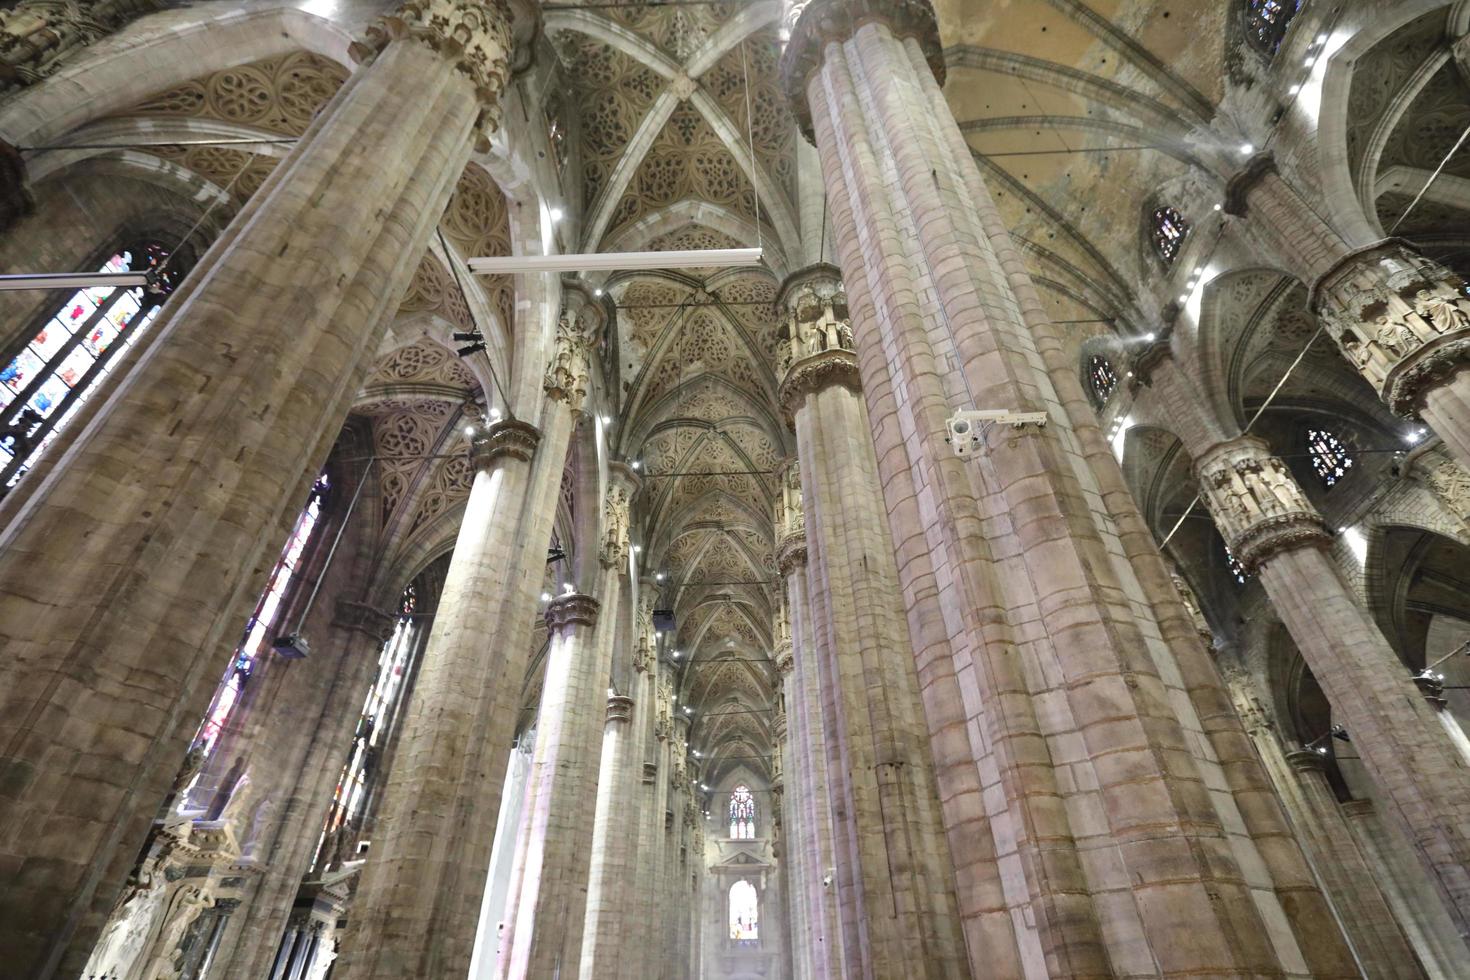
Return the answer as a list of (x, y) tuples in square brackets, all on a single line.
[(475, 35), (1257, 505)]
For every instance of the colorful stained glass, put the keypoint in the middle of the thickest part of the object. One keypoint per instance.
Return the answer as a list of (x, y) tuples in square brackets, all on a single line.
[(1169, 231), (1266, 22), (1330, 456), (1237, 570), (1104, 379), (742, 814), (263, 624), (45, 382)]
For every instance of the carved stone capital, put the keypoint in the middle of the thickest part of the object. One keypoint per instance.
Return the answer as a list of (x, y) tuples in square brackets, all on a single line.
[(816, 373), (814, 24), (572, 609), (615, 542), (566, 376), (363, 618), (1307, 760), (1356, 808), (506, 439), (785, 659), (650, 771), (1257, 504), (619, 708), (476, 36), (791, 554), (1151, 358), (1400, 318), (1238, 189), (789, 514)]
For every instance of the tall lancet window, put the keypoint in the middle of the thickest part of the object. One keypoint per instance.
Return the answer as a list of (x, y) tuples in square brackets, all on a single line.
[(742, 814), (1330, 457), (1266, 22), (384, 699), (745, 927), (263, 625), (1168, 230), (52, 376)]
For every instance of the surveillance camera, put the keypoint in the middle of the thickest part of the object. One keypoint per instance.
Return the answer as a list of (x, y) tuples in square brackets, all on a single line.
[(964, 428), (962, 435)]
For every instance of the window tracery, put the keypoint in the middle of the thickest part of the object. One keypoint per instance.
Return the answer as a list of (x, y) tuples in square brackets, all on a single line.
[(1102, 376), (1168, 231), (1266, 22), (742, 814), (261, 627), (1330, 456), (58, 370), (1237, 570)]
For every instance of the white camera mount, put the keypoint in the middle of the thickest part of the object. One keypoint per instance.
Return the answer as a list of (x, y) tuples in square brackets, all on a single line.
[(965, 428)]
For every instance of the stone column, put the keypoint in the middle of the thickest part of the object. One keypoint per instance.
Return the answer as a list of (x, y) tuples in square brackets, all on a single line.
[(418, 905), (795, 836), (1402, 320), (895, 850), (648, 958), (1273, 530), (671, 890), (939, 326), (184, 485), (642, 772), (612, 844), (809, 752)]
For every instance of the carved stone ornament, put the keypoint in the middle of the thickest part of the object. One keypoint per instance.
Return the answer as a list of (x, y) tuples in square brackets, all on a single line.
[(1401, 319), (614, 550), (1257, 504), (572, 609), (476, 35), (644, 644), (1445, 478), (566, 376), (785, 661), (817, 23), (816, 373), (36, 36), (791, 555), (789, 515), (506, 439), (1307, 760), (619, 708)]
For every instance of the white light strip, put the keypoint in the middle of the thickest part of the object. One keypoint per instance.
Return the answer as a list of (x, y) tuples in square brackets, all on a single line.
[(614, 261), (72, 280)]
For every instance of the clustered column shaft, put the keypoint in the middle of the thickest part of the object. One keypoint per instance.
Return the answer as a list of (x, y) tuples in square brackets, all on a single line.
[(171, 488)]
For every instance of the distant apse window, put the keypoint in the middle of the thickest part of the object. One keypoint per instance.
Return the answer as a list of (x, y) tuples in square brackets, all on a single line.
[(744, 915), (1237, 570), (742, 814), (1104, 379), (1169, 231), (1266, 22), (1330, 457)]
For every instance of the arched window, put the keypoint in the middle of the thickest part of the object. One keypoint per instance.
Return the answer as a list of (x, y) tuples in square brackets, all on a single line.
[(744, 915), (261, 627), (1168, 230), (1266, 22), (384, 698), (1237, 570), (742, 814), (1104, 379), (45, 384), (1330, 457)]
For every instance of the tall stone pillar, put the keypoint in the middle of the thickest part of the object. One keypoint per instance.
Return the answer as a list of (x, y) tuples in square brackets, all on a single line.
[(648, 958), (1300, 779), (795, 842), (612, 846), (1402, 320), (1016, 538), (131, 559), (807, 775), (1274, 531), (543, 935), (904, 909), (671, 888), (418, 906), (639, 899)]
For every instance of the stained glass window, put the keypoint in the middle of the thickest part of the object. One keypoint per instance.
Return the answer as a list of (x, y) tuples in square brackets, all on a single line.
[(384, 698), (1169, 231), (744, 915), (1104, 379), (742, 814), (1266, 22), (262, 626), (1330, 457), (48, 381), (1237, 570)]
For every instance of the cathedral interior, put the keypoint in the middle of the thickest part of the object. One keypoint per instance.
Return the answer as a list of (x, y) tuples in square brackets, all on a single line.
[(734, 489)]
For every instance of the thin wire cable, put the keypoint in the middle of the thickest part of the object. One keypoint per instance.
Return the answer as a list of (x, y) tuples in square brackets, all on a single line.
[(224, 196), (474, 321), (143, 145), (1432, 178)]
